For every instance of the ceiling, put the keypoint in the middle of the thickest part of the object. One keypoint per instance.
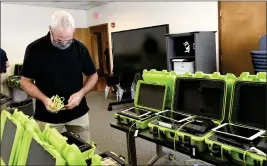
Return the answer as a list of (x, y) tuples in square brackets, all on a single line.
[(65, 4)]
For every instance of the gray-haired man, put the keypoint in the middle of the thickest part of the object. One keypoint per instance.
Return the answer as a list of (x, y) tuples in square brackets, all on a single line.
[(56, 63)]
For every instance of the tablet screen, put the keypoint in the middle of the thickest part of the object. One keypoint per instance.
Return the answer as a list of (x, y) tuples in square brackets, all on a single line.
[(175, 118), (237, 130), (136, 112)]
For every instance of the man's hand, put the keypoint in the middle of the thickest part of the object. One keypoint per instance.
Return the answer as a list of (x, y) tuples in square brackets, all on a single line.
[(74, 100), (48, 102)]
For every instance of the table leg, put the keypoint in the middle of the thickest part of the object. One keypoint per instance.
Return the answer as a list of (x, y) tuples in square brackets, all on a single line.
[(131, 149), (159, 154)]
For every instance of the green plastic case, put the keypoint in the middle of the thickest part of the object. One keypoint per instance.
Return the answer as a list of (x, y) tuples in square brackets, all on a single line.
[(34, 143), (165, 77), (225, 152), (142, 123), (71, 153), (189, 141), (9, 155), (97, 159)]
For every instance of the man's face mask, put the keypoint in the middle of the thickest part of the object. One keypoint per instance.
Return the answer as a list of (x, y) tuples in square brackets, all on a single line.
[(62, 45)]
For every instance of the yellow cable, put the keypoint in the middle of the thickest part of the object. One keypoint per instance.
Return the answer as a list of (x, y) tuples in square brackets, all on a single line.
[(204, 163), (175, 137), (244, 156)]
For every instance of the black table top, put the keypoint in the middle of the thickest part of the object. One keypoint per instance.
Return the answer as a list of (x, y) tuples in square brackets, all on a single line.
[(144, 134)]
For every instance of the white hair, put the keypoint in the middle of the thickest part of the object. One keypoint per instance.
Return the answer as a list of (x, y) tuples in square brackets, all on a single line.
[(62, 19)]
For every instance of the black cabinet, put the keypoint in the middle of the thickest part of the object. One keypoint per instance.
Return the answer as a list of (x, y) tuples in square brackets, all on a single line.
[(197, 47)]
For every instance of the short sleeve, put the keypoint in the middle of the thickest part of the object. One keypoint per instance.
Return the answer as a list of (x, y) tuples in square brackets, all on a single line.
[(29, 64), (88, 66), (5, 56)]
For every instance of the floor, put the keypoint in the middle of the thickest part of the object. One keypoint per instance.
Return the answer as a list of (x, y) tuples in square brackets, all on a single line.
[(109, 139)]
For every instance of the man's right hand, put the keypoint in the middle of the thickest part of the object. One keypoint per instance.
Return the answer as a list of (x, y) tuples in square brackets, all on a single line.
[(48, 102)]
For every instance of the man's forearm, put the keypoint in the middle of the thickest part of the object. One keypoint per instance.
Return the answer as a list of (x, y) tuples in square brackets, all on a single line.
[(32, 90), (89, 83)]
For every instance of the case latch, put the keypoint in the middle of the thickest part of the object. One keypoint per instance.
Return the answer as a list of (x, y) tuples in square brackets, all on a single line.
[(216, 151)]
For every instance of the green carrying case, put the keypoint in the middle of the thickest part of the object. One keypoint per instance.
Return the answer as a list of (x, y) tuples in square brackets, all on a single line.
[(165, 77), (71, 153), (101, 159), (201, 96), (35, 151), (247, 108), (149, 97), (11, 135)]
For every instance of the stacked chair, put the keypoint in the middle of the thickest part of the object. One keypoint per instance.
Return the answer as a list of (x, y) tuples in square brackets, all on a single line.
[(259, 57), (23, 143)]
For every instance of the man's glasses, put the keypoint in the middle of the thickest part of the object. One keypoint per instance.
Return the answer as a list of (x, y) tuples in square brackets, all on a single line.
[(61, 42)]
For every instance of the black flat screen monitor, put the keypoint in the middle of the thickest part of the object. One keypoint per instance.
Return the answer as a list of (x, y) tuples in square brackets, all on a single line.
[(138, 49)]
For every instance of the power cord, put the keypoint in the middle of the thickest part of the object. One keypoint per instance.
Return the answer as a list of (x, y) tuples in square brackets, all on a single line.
[(244, 156), (174, 142), (187, 162), (129, 138)]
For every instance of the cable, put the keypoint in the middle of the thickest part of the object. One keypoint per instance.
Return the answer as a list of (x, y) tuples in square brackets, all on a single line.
[(204, 163), (244, 156), (129, 138), (174, 142)]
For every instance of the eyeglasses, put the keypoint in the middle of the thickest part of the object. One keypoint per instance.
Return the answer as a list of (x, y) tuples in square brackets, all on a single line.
[(66, 42)]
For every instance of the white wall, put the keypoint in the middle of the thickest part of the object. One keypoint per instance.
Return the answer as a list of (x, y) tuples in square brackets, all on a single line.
[(21, 24), (181, 16)]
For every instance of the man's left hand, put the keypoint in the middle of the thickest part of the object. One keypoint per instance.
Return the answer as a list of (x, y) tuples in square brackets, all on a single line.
[(74, 100)]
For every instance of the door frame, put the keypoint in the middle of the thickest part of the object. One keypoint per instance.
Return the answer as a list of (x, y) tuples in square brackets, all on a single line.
[(219, 37), (91, 34)]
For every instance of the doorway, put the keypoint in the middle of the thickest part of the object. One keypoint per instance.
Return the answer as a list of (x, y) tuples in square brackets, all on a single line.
[(240, 26), (100, 50)]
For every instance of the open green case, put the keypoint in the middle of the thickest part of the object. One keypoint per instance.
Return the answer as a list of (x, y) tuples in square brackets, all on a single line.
[(35, 150), (247, 108), (150, 98), (99, 159), (11, 138), (164, 77), (200, 96), (70, 152)]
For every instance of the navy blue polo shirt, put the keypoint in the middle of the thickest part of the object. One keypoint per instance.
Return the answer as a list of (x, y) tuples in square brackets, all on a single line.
[(3, 60)]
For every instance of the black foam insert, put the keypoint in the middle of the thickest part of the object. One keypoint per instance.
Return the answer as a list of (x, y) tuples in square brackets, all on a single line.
[(7, 141), (39, 156), (74, 139), (151, 96), (199, 97), (249, 104)]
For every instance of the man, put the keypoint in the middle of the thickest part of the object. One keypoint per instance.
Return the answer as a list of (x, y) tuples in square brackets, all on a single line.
[(56, 63), (4, 64)]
